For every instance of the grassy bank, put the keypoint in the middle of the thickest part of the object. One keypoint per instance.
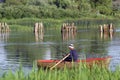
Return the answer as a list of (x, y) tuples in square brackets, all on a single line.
[(81, 73), (27, 24)]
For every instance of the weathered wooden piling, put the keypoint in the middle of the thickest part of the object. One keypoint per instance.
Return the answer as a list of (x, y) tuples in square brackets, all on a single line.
[(111, 27), (4, 27), (68, 31), (106, 30), (101, 28), (38, 27), (39, 31), (67, 27), (68, 35)]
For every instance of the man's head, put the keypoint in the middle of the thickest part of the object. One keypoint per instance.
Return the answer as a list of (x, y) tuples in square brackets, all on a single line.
[(71, 46)]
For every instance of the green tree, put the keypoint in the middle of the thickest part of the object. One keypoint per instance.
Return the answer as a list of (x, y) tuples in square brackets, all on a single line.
[(62, 3), (84, 6), (102, 6), (16, 2)]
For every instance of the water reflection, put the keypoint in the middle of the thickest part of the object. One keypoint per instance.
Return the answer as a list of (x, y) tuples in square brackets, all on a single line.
[(47, 54), (114, 51), (25, 48), (39, 36), (107, 35), (3, 59), (4, 36), (68, 35)]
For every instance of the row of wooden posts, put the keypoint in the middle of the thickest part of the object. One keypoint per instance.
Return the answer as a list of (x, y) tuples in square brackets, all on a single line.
[(4, 27), (68, 30), (38, 27), (107, 28), (67, 27), (39, 31)]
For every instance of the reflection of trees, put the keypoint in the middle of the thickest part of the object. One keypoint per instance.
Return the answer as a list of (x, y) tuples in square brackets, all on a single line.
[(68, 35), (20, 50), (60, 50), (4, 36), (106, 35), (97, 47)]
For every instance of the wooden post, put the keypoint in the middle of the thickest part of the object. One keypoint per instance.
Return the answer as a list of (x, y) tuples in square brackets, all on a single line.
[(6, 27), (101, 28), (36, 27), (0, 27), (111, 27)]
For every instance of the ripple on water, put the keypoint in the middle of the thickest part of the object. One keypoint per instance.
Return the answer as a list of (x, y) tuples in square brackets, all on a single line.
[(114, 51)]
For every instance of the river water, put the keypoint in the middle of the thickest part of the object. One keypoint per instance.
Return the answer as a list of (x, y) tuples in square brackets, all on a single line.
[(23, 48)]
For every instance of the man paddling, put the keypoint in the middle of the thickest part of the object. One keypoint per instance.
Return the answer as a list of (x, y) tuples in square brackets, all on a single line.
[(73, 54)]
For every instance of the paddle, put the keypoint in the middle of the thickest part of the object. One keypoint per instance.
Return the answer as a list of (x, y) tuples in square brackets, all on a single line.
[(59, 62)]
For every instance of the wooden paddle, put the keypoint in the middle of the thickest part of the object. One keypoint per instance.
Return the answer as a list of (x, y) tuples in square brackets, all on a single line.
[(59, 62)]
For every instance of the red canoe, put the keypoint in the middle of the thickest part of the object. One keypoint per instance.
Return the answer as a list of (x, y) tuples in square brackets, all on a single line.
[(104, 61)]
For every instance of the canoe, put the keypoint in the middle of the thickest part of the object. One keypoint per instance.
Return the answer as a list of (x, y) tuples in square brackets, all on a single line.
[(47, 64)]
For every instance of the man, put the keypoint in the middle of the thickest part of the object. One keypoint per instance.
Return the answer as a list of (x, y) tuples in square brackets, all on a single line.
[(73, 54)]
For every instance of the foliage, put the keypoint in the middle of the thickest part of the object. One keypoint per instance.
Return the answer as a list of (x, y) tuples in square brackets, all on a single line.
[(13, 9), (84, 6), (80, 73), (102, 6)]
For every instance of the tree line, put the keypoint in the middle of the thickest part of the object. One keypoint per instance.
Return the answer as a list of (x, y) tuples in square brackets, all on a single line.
[(13, 9)]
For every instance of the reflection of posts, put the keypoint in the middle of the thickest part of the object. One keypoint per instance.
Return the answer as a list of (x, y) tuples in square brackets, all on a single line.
[(106, 31), (111, 35), (36, 36), (4, 36), (39, 31), (106, 35), (39, 36), (101, 35), (68, 35)]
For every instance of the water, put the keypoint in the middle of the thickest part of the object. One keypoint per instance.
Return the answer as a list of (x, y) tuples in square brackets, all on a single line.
[(24, 48)]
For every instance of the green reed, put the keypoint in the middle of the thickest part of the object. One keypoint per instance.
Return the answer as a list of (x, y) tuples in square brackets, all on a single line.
[(18, 24), (80, 73), (20, 28)]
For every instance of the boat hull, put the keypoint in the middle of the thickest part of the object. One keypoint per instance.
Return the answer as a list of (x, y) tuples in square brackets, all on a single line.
[(102, 62)]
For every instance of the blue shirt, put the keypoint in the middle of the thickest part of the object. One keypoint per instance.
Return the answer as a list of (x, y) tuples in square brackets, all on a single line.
[(73, 55)]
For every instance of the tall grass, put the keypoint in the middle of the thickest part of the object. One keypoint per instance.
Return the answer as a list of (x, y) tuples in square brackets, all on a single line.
[(27, 24), (81, 73), (20, 28)]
